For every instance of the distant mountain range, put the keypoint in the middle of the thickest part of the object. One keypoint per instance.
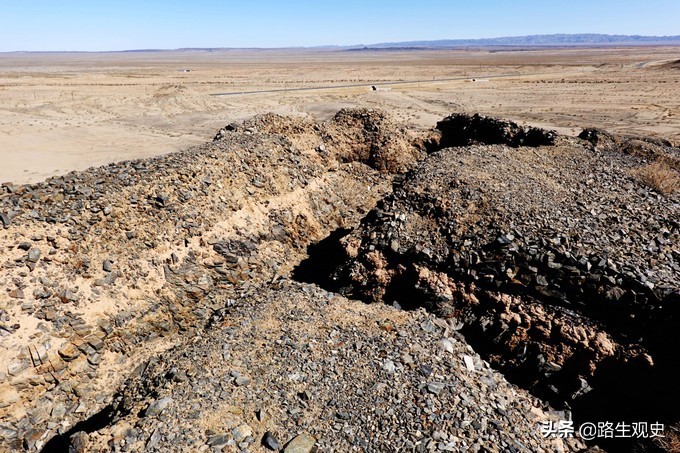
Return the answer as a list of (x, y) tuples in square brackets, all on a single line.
[(563, 40), (588, 39)]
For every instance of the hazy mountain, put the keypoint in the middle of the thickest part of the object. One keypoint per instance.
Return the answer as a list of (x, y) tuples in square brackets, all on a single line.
[(588, 39), (539, 40)]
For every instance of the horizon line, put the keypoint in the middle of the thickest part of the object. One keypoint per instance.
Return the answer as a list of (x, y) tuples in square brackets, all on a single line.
[(422, 44)]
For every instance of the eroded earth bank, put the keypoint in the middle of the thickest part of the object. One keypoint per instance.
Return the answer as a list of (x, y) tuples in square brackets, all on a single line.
[(215, 299)]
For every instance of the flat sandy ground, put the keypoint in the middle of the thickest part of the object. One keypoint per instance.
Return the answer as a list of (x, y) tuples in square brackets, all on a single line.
[(62, 112)]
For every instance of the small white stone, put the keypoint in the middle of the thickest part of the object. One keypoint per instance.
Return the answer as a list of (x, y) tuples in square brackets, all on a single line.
[(446, 345), (469, 362), (242, 432)]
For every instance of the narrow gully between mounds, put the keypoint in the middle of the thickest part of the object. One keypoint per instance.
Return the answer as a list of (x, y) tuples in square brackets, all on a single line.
[(621, 392)]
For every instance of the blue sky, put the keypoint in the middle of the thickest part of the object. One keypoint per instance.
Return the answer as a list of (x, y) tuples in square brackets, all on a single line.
[(137, 24)]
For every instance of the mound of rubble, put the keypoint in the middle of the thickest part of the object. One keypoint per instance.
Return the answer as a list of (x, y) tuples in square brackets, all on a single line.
[(461, 129), (178, 268), (295, 366), (157, 305), (674, 64), (352, 135), (108, 267), (561, 266)]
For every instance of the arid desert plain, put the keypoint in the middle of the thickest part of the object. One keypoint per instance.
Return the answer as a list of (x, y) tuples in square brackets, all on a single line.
[(62, 111)]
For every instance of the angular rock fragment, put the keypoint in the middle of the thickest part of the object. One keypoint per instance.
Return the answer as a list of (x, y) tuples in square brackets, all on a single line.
[(302, 443), (33, 255), (157, 407), (79, 442), (270, 442)]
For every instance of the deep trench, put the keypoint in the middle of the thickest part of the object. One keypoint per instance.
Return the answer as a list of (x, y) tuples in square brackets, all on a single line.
[(620, 393)]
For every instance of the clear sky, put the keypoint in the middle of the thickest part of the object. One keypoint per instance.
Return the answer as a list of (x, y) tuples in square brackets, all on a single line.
[(138, 24)]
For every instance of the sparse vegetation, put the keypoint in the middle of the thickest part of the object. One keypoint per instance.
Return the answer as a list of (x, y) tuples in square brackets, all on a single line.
[(660, 176)]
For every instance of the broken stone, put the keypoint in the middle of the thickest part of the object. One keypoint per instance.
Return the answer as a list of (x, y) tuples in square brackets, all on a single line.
[(469, 363), (218, 441), (34, 255), (303, 443), (270, 442), (241, 432), (96, 342), (435, 387), (15, 368), (79, 442), (16, 293), (157, 407), (69, 352), (241, 381)]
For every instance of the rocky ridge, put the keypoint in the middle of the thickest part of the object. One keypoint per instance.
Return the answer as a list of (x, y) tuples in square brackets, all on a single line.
[(561, 265), (179, 267), (104, 268)]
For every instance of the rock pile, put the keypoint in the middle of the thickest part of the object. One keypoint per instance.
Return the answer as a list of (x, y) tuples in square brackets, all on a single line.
[(297, 368), (149, 304), (106, 267), (368, 136), (352, 135), (562, 267), (462, 130), (650, 148)]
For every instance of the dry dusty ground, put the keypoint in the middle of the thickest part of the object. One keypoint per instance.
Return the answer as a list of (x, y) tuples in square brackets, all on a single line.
[(62, 112)]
